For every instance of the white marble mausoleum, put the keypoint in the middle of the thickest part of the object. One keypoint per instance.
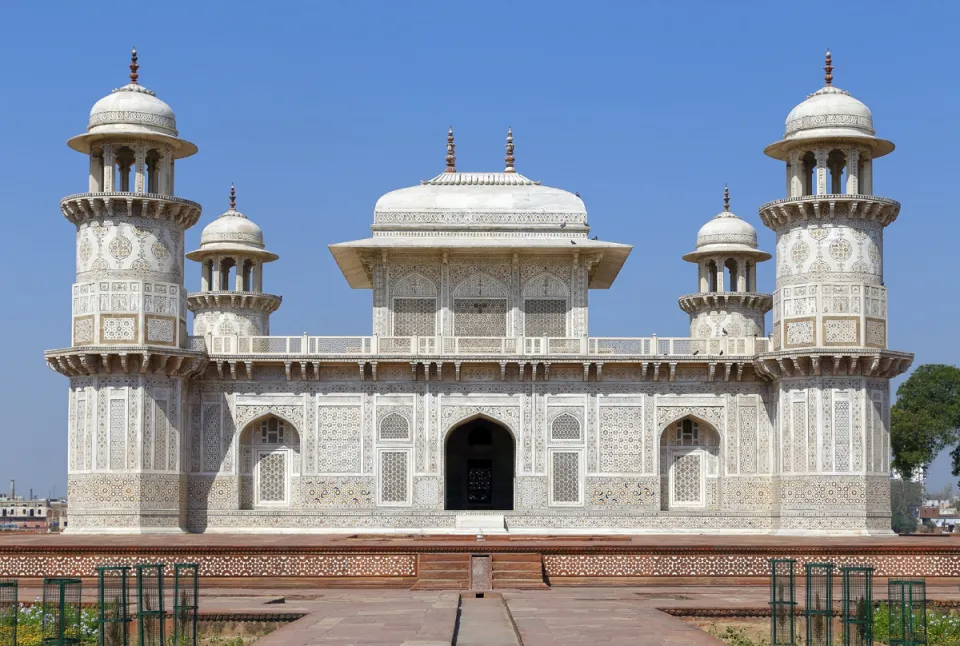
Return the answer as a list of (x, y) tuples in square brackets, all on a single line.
[(480, 400)]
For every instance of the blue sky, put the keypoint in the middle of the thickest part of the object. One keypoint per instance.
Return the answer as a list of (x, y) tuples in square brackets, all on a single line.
[(316, 109)]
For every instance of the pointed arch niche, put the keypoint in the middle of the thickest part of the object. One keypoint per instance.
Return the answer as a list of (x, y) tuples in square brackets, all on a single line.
[(480, 307), (414, 306), (546, 307), (269, 463), (689, 465)]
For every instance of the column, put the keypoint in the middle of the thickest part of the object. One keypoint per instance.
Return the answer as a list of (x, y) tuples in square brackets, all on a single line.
[(109, 173), (258, 277), (741, 275), (204, 279), (96, 172), (795, 168), (216, 273), (704, 279), (166, 165), (238, 270), (866, 176), (721, 275), (140, 153), (853, 166), (821, 174)]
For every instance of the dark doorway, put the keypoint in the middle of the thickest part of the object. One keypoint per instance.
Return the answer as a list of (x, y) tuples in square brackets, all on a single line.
[(479, 467)]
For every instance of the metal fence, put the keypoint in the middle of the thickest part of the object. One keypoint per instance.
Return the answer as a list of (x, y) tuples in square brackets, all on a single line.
[(8, 612), (113, 596), (150, 614), (783, 603), (907, 605), (185, 591), (856, 606), (60, 624), (819, 604)]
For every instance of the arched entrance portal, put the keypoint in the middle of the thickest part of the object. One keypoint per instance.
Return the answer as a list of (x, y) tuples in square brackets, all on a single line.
[(479, 466)]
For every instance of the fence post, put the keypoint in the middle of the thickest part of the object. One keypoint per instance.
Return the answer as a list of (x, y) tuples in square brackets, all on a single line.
[(857, 606), (60, 623), (819, 604), (113, 596), (186, 585), (783, 603), (150, 614), (8, 612), (907, 607)]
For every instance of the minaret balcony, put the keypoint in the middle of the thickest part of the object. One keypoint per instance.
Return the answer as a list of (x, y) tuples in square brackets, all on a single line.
[(89, 206), (264, 303), (783, 212), (695, 303)]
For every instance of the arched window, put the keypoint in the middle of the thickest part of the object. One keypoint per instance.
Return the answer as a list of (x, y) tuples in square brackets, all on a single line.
[(394, 427), (414, 306), (125, 159), (247, 277), (731, 266), (712, 282), (153, 171), (226, 267), (272, 431), (687, 433), (208, 276), (809, 173), (545, 307), (565, 427), (836, 163)]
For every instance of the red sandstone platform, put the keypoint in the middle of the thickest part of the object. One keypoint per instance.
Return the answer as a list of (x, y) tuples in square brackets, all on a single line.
[(447, 562)]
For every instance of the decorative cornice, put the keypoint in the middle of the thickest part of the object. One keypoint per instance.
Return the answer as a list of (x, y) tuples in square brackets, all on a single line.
[(265, 303), (780, 213), (812, 362), (90, 206), (140, 359), (693, 303)]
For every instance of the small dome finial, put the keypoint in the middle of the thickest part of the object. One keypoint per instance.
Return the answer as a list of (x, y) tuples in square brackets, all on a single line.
[(133, 67), (726, 198), (451, 157), (828, 68), (509, 158), (233, 197)]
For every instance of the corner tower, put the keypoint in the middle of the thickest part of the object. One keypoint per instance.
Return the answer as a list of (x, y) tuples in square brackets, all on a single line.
[(231, 301), (830, 365), (727, 302), (130, 356)]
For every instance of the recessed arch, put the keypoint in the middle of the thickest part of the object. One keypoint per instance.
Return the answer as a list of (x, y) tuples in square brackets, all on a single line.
[(546, 304), (480, 307), (689, 448), (479, 465), (414, 306), (269, 461)]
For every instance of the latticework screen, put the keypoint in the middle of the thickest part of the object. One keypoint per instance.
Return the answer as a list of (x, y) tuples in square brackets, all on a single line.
[(186, 586), (113, 596), (907, 603), (150, 615), (783, 603), (8, 612), (60, 623), (856, 605), (819, 604)]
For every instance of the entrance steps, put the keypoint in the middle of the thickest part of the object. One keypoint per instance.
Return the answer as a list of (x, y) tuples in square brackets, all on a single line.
[(486, 523), (518, 571), (443, 572)]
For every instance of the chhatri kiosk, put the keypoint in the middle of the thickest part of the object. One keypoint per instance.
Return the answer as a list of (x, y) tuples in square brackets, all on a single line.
[(479, 400)]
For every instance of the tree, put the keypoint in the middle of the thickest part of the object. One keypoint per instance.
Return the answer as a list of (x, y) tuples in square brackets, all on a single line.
[(906, 499), (926, 418)]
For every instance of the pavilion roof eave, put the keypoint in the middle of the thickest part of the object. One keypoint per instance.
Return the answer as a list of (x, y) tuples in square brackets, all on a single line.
[(612, 254)]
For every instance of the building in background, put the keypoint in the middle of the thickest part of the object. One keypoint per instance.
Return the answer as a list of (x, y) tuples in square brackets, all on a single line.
[(480, 401), (31, 514)]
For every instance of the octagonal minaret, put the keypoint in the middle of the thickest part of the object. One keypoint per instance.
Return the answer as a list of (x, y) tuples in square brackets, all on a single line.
[(830, 362), (727, 302), (130, 355), (231, 301)]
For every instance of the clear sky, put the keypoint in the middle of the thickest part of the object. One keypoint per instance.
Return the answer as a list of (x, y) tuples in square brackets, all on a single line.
[(316, 109)]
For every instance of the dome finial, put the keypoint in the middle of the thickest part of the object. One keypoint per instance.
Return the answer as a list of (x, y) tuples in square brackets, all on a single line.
[(726, 198), (509, 158), (133, 67), (828, 68), (451, 158), (233, 197)]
